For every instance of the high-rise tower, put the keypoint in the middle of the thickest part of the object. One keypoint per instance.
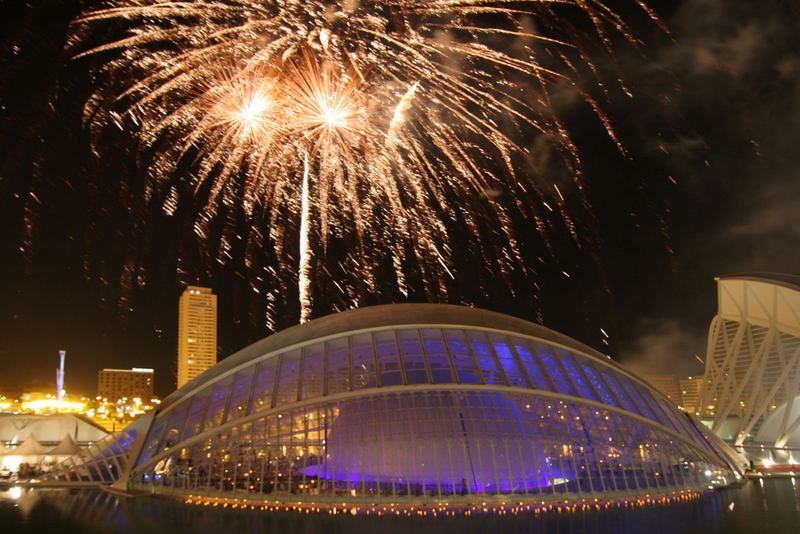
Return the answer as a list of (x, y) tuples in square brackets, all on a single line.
[(197, 332)]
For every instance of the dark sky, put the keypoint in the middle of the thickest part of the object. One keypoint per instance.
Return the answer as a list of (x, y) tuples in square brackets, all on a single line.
[(712, 187)]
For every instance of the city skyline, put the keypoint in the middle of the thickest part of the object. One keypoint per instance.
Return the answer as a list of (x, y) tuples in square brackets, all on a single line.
[(709, 190)]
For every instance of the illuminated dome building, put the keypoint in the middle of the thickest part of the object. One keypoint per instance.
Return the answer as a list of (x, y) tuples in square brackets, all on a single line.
[(413, 403)]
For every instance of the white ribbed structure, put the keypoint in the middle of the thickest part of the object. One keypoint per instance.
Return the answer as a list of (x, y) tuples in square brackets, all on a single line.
[(753, 357)]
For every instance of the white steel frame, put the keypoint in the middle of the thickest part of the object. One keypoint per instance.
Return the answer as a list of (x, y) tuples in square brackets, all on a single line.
[(753, 357)]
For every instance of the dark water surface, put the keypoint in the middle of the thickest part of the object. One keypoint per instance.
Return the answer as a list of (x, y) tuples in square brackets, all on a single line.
[(758, 507)]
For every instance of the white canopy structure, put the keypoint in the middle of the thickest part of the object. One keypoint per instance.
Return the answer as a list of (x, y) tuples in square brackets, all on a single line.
[(67, 447), (29, 447), (49, 429), (30, 452)]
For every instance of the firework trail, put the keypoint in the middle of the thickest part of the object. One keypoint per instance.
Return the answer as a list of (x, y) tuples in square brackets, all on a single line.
[(391, 123), (305, 256)]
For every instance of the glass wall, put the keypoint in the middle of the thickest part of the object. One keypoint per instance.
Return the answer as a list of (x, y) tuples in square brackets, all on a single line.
[(409, 356), (438, 443), (104, 461)]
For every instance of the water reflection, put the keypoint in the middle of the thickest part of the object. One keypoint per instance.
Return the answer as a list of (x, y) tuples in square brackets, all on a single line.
[(22, 500), (772, 504)]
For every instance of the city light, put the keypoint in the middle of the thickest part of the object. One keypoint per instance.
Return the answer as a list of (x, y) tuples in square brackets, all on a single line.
[(52, 405), (112, 415)]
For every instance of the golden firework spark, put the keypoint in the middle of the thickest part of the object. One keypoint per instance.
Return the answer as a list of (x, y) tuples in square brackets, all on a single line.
[(406, 119), (326, 107)]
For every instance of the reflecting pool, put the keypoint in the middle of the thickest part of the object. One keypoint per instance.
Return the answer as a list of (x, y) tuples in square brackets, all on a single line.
[(768, 505)]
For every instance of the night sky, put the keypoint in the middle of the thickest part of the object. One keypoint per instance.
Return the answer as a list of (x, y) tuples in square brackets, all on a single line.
[(711, 187)]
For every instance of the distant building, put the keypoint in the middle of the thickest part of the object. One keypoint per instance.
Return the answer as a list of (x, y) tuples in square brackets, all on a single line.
[(690, 393), (197, 332), (667, 386), (114, 384)]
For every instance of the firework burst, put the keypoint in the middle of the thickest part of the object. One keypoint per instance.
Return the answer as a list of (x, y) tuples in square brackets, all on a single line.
[(391, 124)]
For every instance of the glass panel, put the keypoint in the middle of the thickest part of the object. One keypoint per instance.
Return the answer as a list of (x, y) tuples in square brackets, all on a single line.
[(93, 473), (127, 439), (216, 406), (457, 341), (640, 403), (237, 407), (469, 376), (598, 383), (616, 387), (462, 357), (413, 360), (438, 359), (152, 439), (553, 366), (524, 350), (501, 346), (388, 360), (175, 424), (197, 410), (414, 366), (532, 364), (688, 428), (432, 338), (313, 371), (288, 378), (508, 361), (484, 355), (362, 357), (409, 342), (338, 366), (490, 371), (265, 381), (480, 343), (577, 376), (662, 415)]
